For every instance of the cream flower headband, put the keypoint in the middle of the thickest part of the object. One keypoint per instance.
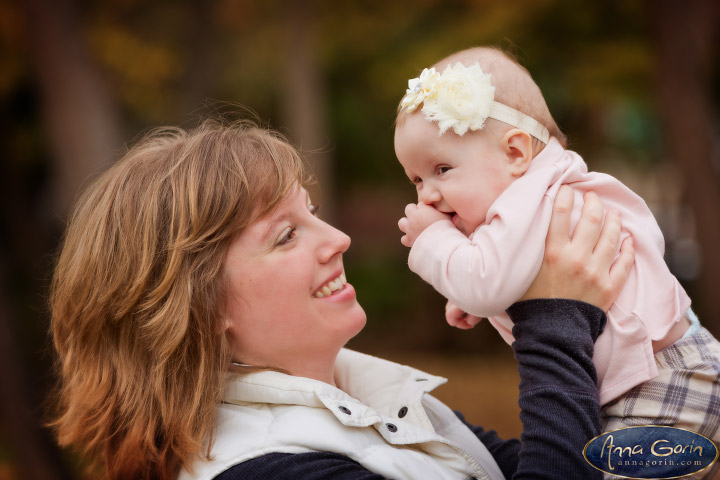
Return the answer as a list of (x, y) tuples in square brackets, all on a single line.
[(462, 98)]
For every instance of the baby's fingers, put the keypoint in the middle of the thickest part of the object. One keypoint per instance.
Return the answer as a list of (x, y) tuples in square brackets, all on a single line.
[(457, 318), (410, 209), (469, 321), (463, 322)]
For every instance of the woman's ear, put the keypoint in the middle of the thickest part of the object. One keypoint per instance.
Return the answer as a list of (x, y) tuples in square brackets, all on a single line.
[(517, 145)]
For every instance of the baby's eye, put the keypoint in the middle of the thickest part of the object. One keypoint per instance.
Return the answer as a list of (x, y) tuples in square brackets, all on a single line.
[(416, 181), (442, 169), (287, 236)]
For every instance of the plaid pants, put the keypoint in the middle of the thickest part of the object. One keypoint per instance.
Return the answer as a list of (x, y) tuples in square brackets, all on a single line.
[(686, 394)]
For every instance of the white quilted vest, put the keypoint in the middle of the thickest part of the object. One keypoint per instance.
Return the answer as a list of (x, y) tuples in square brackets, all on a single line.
[(380, 416)]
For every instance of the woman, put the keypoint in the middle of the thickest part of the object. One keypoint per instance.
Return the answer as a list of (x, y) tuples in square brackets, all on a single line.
[(200, 308)]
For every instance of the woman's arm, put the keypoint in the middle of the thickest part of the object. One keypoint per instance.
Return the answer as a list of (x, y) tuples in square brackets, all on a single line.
[(556, 324), (559, 406), (555, 338)]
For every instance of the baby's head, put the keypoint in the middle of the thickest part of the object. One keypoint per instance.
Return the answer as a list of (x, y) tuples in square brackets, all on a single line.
[(469, 127)]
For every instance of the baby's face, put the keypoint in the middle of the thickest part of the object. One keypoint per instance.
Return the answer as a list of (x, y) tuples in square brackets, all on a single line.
[(458, 175)]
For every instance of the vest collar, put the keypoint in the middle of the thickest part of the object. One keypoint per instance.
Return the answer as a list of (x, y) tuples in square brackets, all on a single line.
[(367, 387)]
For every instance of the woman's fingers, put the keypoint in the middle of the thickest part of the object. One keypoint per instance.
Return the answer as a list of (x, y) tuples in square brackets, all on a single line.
[(559, 230), (583, 267), (589, 226), (607, 246), (620, 270)]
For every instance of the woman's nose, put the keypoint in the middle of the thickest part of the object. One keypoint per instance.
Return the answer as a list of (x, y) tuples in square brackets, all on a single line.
[(335, 242)]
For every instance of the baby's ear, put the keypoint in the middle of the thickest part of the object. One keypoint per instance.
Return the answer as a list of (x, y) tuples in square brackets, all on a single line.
[(518, 148)]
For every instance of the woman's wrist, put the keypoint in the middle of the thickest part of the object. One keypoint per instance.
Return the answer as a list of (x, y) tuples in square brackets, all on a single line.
[(554, 343), (556, 316)]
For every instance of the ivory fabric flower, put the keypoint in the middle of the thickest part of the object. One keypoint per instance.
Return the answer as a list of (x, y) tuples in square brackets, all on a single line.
[(461, 99), (419, 89)]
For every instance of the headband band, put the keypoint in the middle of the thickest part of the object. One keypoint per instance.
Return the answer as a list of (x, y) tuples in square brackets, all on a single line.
[(462, 98)]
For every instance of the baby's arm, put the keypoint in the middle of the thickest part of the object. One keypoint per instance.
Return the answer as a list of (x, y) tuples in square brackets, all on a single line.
[(417, 218), (486, 273)]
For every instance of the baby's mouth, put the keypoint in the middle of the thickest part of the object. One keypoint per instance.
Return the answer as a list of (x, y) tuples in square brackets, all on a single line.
[(455, 220), (458, 223), (331, 287)]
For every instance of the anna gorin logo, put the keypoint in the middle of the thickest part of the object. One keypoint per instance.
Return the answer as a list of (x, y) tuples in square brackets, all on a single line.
[(651, 451)]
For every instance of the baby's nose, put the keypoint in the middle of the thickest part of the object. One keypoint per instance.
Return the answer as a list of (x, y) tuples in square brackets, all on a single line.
[(429, 195)]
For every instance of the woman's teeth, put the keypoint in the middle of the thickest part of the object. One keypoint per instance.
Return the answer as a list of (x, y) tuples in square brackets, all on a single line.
[(331, 286)]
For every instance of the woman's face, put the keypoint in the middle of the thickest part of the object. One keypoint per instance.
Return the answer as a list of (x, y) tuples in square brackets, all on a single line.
[(288, 303)]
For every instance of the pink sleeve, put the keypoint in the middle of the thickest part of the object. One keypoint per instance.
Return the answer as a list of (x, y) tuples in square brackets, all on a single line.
[(487, 272)]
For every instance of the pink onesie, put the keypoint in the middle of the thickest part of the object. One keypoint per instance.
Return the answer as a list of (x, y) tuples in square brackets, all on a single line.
[(485, 273)]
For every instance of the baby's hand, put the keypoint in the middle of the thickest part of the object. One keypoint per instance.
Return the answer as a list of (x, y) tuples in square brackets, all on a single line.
[(459, 319), (417, 218)]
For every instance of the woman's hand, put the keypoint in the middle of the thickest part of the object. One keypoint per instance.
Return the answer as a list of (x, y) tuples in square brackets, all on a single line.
[(582, 267)]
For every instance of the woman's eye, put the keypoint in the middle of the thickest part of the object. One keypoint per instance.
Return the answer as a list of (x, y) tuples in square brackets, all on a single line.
[(442, 169), (287, 236), (314, 209)]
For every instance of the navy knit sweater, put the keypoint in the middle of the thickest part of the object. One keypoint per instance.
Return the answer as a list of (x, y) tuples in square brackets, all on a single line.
[(558, 401)]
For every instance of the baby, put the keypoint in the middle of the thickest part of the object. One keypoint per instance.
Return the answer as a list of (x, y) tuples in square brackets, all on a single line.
[(476, 138)]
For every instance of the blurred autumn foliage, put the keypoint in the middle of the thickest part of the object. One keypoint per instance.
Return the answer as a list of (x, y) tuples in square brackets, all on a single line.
[(635, 85)]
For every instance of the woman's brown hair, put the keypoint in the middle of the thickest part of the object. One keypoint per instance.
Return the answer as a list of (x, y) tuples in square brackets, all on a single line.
[(137, 294)]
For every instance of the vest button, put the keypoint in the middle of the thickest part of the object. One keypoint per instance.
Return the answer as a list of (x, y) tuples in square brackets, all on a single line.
[(403, 411), (345, 410), (391, 427)]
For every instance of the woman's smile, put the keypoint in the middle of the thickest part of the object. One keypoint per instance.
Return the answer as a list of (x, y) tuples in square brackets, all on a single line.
[(331, 287)]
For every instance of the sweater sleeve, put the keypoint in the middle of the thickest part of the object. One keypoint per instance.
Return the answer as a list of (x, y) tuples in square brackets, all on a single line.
[(559, 404), (558, 397)]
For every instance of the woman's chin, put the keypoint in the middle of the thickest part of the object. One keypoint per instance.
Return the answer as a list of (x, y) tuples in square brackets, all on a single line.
[(357, 322)]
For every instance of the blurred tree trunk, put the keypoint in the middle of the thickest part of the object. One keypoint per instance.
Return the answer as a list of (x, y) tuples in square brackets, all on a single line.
[(201, 68), (80, 121), (686, 35), (79, 114), (305, 103)]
